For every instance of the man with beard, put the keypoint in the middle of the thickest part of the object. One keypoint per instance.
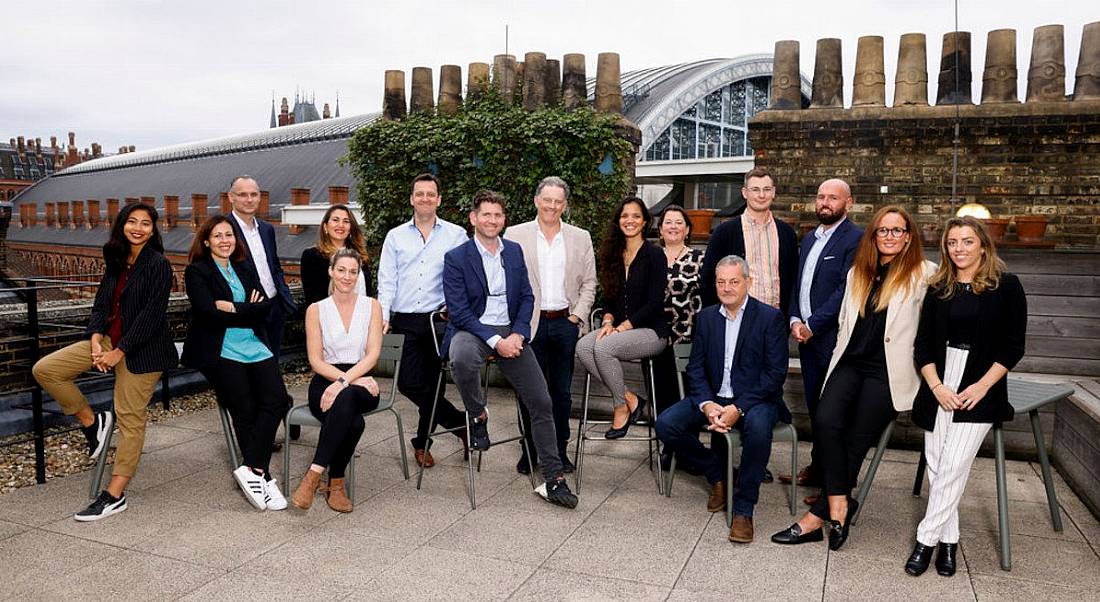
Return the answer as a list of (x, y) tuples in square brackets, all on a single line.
[(825, 257)]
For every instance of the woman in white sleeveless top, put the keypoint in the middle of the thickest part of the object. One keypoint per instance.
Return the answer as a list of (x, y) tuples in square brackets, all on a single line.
[(343, 341)]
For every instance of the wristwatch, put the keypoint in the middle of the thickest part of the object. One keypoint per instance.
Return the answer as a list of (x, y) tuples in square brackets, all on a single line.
[(342, 381)]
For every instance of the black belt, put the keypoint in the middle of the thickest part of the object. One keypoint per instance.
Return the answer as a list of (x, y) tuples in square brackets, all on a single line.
[(554, 314)]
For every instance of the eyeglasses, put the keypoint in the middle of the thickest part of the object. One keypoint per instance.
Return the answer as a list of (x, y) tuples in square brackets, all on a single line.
[(890, 232), (758, 191)]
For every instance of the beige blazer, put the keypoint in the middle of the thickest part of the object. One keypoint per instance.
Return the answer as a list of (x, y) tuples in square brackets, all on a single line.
[(580, 268), (902, 317)]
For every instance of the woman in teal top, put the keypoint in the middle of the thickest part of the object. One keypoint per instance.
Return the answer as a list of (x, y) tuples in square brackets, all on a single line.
[(227, 343)]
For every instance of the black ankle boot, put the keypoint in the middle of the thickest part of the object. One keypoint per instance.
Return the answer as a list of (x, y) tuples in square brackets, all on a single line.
[(919, 559), (945, 558)]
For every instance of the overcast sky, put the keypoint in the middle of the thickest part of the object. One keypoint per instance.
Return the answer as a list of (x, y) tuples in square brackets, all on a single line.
[(153, 73)]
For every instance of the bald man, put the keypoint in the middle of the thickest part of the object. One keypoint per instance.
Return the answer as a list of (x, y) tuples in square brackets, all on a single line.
[(825, 255)]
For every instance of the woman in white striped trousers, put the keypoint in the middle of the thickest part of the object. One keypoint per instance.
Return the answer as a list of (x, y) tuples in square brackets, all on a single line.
[(971, 334)]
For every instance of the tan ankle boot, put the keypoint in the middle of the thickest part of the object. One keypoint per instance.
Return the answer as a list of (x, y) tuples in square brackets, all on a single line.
[(337, 498), (307, 489)]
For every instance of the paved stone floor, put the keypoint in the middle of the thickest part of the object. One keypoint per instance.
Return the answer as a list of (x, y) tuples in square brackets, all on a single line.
[(188, 533)]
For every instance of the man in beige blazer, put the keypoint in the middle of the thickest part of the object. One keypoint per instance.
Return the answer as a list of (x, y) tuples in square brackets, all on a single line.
[(562, 268)]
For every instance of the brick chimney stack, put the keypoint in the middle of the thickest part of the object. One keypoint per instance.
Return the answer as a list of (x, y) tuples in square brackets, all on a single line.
[(285, 116), (20, 145), (171, 215), (198, 210), (149, 201), (298, 197), (223, 199), (93, 213), (325, 112), (265, 205), (38, 146), (32, 214), (112, 212), (51, 217), (131, 148), (78, 215), (337, 195), (62, 214)]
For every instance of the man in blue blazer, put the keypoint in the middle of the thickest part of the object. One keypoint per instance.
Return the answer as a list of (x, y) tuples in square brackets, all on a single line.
[(489, 305), (735, 376), (825, 257)]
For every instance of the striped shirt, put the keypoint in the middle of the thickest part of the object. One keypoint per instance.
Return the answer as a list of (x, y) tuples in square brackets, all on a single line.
[(762, 255)]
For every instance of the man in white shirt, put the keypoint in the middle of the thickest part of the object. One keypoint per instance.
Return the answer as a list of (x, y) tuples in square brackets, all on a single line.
[(561, 266)]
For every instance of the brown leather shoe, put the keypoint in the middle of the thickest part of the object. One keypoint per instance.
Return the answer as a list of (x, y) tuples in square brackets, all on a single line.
[(717, 500), (806, 478), (811, 499), (337, 497), (741, 529), (424, 458), (307, 489)]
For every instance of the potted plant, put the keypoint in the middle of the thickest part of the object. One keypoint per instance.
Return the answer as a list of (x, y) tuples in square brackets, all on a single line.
[(701, 220)]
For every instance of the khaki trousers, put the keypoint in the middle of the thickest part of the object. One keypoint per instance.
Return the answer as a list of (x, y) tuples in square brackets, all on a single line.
[(56, 373)]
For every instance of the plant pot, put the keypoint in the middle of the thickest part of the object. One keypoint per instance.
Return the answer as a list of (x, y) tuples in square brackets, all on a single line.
[(997, 227), (701, 220), (1031, 228)]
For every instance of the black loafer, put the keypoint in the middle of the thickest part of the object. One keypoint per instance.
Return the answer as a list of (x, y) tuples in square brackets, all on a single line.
[(945, 558), (919, 559), (838, 533), (793, 536)]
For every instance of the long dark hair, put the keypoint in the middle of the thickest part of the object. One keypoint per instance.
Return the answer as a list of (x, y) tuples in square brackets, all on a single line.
[(354, 241), (117, 248), (614, 242), (199, 249)]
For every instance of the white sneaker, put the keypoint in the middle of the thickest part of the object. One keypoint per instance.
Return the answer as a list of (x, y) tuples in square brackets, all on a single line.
[(273, 497), (252, 485)]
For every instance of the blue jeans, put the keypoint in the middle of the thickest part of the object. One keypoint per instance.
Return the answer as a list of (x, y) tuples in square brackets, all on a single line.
[(678, 428), (555, 345)]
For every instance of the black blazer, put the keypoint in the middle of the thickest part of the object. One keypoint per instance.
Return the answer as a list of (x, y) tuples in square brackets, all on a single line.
[(145, 339), (1001, 329), (313, 269), (642, 298), (729, 239), (267, 235), (205, 285)]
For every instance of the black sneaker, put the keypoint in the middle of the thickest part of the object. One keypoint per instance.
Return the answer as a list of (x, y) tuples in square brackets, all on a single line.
[(97, 433), (479, 432), (105, 505), (567, 465), (557, 492)]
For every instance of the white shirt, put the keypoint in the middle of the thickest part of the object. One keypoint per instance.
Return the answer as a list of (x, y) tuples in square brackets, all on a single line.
[(552, 271), (341, 346), (410, 270), (822, 234), (733, 328), (259, 254), (496, 304)]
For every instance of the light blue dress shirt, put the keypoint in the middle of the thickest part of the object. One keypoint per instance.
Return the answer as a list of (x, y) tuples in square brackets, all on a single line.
[(821, 238), (410, 271), (241, 344), (733, 328), (496, 304)]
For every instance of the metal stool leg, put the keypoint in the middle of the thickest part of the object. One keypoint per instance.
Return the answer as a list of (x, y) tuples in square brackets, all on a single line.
[(401, 443), (583, 436), (230, 438), (794, 467), (865, 486), (1044, 466), (1002, 499), (654, 443), (918, 480), (470, 464), (729, 479), (286, 455), (351, 476), (431, 427), (671, 476), (523, 443), (100, 466)]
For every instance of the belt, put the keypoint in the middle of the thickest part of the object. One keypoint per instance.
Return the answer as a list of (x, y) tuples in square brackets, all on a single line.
[(554, 314)]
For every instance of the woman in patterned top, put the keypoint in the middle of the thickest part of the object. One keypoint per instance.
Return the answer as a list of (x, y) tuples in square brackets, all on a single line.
[(682, 298)]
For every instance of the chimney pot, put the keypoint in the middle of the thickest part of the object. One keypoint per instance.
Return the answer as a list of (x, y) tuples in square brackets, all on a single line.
[(337, 195), (198, 210), (265, 205), (93, 213), (298, 197), (171, 212), (224, 204), (51, 216), (78, 214), (112, 212)]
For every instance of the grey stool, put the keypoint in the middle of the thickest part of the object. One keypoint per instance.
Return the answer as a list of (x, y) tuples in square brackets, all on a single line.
[(781, 432), (586, 423), (299, 415)]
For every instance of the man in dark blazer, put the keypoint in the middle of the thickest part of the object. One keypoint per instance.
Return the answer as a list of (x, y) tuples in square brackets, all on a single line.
[(825, 257), (489, 305), (768, 245), (735, 376)]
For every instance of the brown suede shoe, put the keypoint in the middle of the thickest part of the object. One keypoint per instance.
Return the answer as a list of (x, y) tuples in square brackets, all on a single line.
[(307, 489), (337, 497), (717, 500), (424, 458), (811, 499), (805, 478), (741, 529)]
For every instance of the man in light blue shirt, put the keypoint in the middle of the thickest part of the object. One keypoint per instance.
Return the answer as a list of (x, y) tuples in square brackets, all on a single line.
[(410, 288)]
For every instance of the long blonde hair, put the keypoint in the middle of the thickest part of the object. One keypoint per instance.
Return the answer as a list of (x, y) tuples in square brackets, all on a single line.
[(988, 275), (905, 270)]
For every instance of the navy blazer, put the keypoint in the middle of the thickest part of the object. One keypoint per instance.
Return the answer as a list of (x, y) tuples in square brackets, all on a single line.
[(205, 285), (729, 239), (830, 277), (466, 289), (267, 234), (759, 360)]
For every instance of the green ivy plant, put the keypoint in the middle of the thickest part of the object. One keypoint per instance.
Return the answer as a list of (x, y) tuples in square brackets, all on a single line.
[(490, 144)]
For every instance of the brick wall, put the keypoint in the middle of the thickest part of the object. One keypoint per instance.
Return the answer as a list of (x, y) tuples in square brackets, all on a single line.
[(1016, 159)]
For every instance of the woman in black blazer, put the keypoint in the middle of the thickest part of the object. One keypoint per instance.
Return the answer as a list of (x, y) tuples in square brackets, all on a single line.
[(127, 334), (971, 333), (227, 343), (338, 230), (635, 324)]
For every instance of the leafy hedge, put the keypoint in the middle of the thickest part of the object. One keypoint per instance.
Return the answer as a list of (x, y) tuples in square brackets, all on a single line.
[(489, 144)]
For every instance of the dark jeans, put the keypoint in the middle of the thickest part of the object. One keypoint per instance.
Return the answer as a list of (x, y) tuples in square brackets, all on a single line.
[(555, 345), (341, 425), (678, 427), (468, 354), (814, 358), (854, 409), (419, 373), (255, 396)]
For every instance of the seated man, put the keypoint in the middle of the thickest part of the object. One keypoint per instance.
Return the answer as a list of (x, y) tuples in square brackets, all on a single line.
[(735, 378), (489, 302)]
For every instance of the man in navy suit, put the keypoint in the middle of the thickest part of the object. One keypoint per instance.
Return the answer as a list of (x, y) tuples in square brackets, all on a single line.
[(489, 305), (825, 257), (735, 376)]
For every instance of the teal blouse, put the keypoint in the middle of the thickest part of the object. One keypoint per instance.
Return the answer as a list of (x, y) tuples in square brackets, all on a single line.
[(241, 344)]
